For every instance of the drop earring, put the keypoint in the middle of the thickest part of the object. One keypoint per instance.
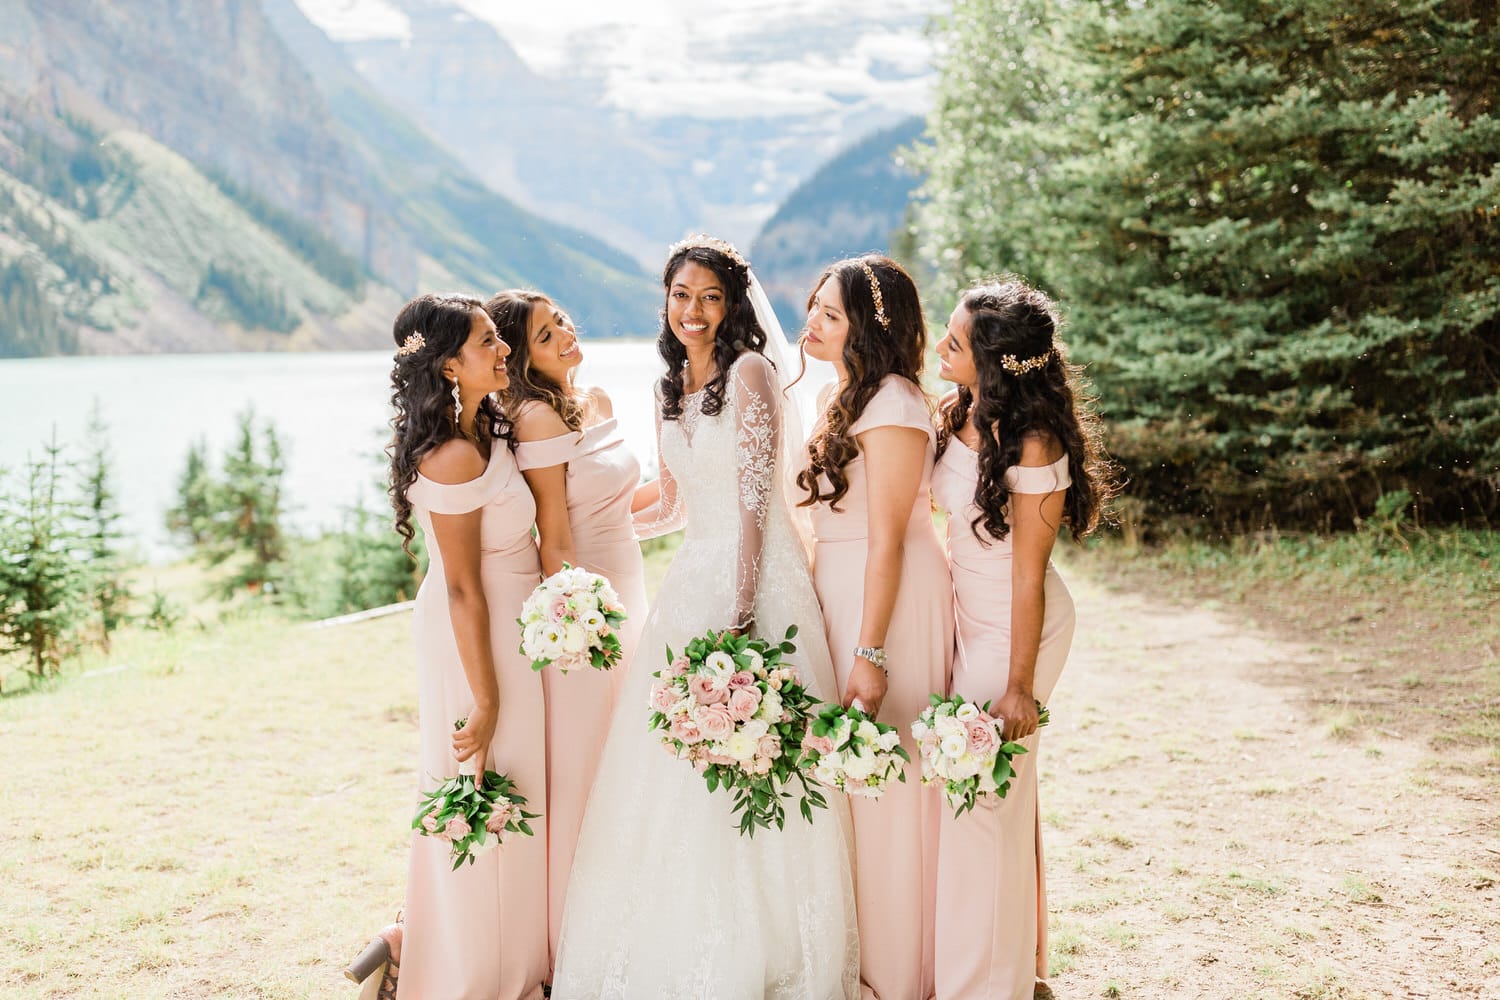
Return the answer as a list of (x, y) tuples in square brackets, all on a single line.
[(458, 406)]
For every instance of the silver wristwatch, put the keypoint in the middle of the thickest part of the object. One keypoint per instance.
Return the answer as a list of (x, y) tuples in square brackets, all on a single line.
[(875, 654)]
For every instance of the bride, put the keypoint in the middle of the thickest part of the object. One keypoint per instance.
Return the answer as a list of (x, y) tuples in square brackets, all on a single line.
[(667, 900)]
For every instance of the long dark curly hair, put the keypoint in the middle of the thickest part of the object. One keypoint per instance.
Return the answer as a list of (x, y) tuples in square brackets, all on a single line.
[(423, 399), (740, 332), (511, 311), (1009, 319), (871, 352)]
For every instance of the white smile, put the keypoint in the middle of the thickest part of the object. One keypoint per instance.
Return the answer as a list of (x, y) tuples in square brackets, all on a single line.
[(694, 327), (570, 351)]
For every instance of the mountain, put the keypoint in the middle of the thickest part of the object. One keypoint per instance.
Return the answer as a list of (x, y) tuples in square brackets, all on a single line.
[(643, 130), (207, 177), (852, 205)]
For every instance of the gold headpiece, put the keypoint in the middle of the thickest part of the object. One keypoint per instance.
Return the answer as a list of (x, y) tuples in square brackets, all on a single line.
[(413, 343), (880, 316), (1010, 364), (711, 242)]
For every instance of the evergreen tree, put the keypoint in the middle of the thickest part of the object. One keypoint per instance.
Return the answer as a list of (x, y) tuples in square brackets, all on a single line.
[(1273, 226), (245, 509), (102, 537), (188, 520), (44, 592)]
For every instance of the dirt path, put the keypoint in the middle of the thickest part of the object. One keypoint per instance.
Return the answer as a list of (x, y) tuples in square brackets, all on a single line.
[(1210, 832)]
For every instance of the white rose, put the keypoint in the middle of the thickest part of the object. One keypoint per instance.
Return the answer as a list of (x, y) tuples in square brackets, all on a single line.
[(755, 728), (888, 741), (574, 638), (954, 745), (827, 775), (721, 663), (966, 712), (756, 660), (532, 637), (867, 732), (920, 729), (770, 707), (859, 766), (739, 746), (947, 726)]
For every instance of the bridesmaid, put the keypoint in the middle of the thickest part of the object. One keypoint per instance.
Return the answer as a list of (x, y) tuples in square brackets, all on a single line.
[(884, 586), (479, 932), (583, 478), (1019, 454)]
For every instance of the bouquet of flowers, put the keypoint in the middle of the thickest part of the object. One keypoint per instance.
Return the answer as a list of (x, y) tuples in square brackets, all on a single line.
[(963, 748), (570, 619), (848, 750), (472, 816), (738, 712)]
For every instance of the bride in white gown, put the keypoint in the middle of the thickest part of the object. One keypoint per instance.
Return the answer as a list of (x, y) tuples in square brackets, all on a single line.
[(667, 900)]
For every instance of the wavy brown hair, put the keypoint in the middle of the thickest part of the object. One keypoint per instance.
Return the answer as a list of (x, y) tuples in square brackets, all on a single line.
[(423, 399), (740, 332), (871, 352), (511, 310), (1009, 317)]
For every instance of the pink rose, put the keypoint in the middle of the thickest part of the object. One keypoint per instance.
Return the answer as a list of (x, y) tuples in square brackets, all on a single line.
[(742, 679), (498, 819), (982, 738), (716, 723), (742, 702), (705, 690), (719, 758), (930, 743), (818, 744), (679, 666), (558, 609), (457, 828), (760, 765), (768, 747), (429, 824), (663, 697), (686, 730)]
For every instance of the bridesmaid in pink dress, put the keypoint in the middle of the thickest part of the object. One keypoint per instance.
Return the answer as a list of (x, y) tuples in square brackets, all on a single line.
[(479, 932), (1020, 454), (583, 478), (884, 586)]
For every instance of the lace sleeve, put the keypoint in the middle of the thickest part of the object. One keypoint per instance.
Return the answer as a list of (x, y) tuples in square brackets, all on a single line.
[(667, 514), (757, 415)]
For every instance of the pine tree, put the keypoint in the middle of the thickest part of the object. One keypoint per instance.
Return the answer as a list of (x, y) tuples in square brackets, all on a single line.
[(1274, 227), (102, 537), (44, 593), (245, 509), (188, 519)]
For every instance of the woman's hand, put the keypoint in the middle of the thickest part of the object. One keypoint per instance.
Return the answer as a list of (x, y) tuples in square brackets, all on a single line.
[(474, 739), (867, 685), (1018, 710)]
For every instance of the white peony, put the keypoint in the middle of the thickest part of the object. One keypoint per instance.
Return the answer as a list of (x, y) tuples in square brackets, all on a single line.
[(574, 638), (947, 726), (770, 707), (859, 766), (739, 746)]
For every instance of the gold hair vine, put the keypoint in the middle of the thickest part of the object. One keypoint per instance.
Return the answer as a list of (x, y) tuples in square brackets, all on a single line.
[(712, 243), (880, 316), (1010, 364), (413, 343)]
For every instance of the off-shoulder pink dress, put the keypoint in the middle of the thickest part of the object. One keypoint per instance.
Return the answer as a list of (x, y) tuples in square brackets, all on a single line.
[(479, 933), (601, 479), (992, 899), (895, 836)]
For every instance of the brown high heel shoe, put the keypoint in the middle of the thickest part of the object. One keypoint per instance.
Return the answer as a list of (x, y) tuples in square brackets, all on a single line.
[(383, 956)]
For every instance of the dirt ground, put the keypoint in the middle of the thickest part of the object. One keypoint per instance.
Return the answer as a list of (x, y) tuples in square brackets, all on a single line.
[(1223, 818)]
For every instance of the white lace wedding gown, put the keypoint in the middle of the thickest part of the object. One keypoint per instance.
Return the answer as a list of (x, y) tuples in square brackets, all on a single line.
[(667, 900)]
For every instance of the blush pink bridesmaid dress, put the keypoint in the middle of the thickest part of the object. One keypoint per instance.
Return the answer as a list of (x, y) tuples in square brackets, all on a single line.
[(479, 933), (895, 836), (601, 479), (992, 899)]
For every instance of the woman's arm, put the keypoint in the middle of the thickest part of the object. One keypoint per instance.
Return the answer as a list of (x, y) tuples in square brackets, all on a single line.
[(893, 473), (457, 537), (757, 413), (1034, 520), (664, 513), (549, 488)]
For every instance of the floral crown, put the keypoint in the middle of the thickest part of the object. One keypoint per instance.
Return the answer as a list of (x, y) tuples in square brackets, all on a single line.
[(1010, 364), (880, 316), (413, 343), (712, 243)]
